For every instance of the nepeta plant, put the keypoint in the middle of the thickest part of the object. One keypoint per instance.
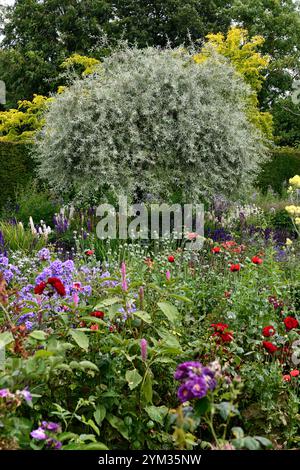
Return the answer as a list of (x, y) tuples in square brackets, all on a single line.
[(151, 122)]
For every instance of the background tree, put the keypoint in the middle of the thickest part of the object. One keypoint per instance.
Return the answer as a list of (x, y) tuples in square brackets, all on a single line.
[(170, 126), (39, 35)]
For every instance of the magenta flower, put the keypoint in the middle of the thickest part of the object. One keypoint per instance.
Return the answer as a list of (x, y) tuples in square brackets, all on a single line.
[(168, 275), (144, 345), (4, 392), (123, 273), (39, 434)]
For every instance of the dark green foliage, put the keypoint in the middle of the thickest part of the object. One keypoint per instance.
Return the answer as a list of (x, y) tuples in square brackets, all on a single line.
[(275, 173), (16, 169)]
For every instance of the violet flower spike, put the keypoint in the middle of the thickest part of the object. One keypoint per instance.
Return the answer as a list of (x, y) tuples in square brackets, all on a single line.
[(123, 273), (144, 347)]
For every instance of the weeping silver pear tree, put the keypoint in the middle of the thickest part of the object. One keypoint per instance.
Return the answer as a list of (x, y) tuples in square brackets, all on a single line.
[(151, 122)]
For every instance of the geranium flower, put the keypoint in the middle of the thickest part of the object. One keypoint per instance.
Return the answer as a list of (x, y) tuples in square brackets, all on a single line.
[(295, 373), (270, 347), (171, 259), (94, 327), (97, 314), (286, 378), (57, 285), (39, 289), (89, 252), (256, 260), (268, 331), (215, 250), (235, 267), (290, 323)]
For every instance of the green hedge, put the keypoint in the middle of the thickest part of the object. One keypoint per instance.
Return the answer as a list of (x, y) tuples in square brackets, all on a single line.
[(275, 174), (16, 169)]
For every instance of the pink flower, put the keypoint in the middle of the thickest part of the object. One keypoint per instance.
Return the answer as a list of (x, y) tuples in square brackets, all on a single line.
[(168, 275), (144, 345), (123, 273), (76, 298), (192, 235)]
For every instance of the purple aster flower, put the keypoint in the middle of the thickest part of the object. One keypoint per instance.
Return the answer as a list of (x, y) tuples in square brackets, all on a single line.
[(29, 325), (186, 369), (39, 434), (198, 386), (4, 392), (184, 393)]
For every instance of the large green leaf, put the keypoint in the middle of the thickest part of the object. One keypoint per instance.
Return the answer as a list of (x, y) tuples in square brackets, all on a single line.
[(146, 390), (119, 425), (143, 316), (99, 414), (133, 378), (170, 311), (157, 413), (80, 338), (38, 334), (6, 338)]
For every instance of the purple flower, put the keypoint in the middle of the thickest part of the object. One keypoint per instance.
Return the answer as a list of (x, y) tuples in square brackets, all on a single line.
[(4, 392), (26, 395), (168, 275), (44, 254), (198, 386), (50, 426), (144, 346), (54, 444), (184, 393), (186, 369), (39, 434)]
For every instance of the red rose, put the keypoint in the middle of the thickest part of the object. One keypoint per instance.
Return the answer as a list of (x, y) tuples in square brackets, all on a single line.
[(97, 314), (39, 289), (295, 373), (290, 323), (216, 250), (227, 337), (171, 259), (221, 331), (270, 347), (256, 260), (268, 331), (89, 252), (235, 267), (286, 378), (57, 285)]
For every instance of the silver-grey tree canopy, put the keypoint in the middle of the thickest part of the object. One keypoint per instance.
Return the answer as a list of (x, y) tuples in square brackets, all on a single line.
[(150, 122)]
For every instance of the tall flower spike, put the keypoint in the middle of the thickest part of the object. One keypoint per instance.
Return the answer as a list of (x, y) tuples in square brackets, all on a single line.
[(123, 273)]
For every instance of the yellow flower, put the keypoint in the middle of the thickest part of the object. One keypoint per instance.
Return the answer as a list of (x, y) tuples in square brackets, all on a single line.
[(297, 221), (295, 181), (293, 210), (288, 242)]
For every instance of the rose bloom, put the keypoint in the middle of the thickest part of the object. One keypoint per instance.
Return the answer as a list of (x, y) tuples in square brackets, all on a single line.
[(94, 327), (291, 323), (268, 331), (39, 289), (235, 267), (216, 250), (89, 252), (270, 347), (171, 259), (256, 260), (295, 373), (286, 378)]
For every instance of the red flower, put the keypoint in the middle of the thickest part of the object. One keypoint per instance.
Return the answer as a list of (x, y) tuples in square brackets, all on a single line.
[(290, 323), (39, 289), (57, 285), (227, 294), (89, 252), (295, 373), (235, 267), (268, 331), (171, 259), (219, 327), (97, 314), (256, 260), (216, 250), (221, 331), (94, 327), (270, 347), (286, 378)]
